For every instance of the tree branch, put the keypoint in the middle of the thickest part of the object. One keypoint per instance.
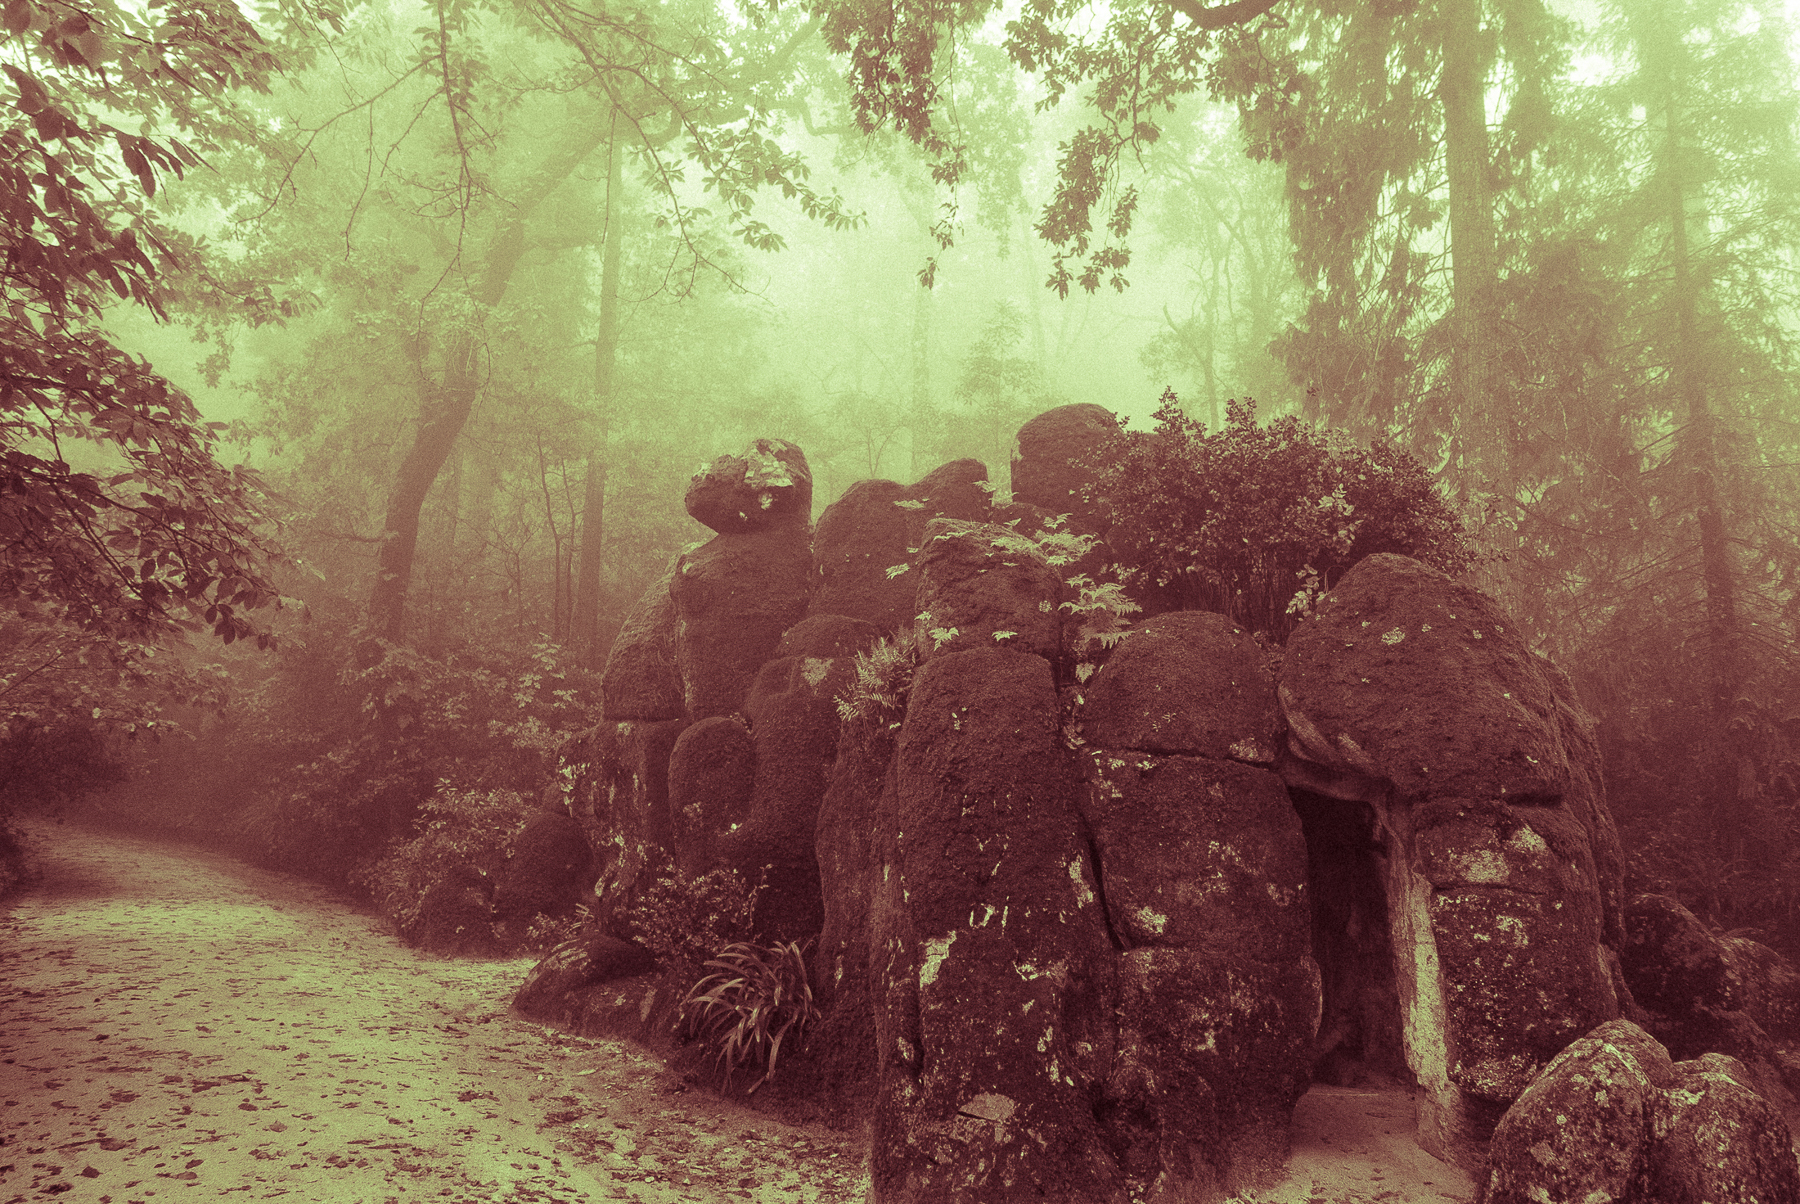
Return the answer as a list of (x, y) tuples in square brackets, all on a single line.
[(1238, 12)]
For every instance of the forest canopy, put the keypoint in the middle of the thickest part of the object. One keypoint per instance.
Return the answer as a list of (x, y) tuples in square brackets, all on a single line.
[(470, 287)]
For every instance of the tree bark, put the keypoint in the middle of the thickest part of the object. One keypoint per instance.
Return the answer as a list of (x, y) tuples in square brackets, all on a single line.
[(586, 624), (445, 404), (443, 409)]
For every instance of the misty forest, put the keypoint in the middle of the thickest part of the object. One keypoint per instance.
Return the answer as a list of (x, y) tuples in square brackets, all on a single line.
[(371, 372)]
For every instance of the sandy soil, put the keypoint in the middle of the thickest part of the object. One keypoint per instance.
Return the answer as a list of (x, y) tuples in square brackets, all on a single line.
[(175, 1024)]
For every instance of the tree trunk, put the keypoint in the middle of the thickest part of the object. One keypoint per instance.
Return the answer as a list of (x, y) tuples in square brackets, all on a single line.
[(1724, 664), (920, 410), (446, 404), (586, 633), (1462, 91), (442, 412)]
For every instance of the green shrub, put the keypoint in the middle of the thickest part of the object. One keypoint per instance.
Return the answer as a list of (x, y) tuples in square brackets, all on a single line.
[(75, 703), (1258, 522), (329, 757), (756, 997), (684, 921), (48, 763), (15, 861), (461, 833)]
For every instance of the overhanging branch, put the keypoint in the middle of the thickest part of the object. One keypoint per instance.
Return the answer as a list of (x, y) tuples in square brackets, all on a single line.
[(1222, 15)]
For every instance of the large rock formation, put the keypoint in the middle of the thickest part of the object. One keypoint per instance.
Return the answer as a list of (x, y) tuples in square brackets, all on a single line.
[(619, 792), (1712, 994), (992, 965), (734, 597), (712, 770), (640, 681), (1087, 938), (794, 725), (769, 485), (1411, 695), (547, 868), (867, 539), (982, 586), (1185, 682), (1048, 468), (1203, 870), (736, 594)]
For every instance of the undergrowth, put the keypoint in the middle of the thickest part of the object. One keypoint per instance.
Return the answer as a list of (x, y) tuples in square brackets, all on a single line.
[(460, 833), (685, 920), (757, 997)]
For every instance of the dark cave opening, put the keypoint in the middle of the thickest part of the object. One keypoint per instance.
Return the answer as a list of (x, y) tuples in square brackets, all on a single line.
[(1359, 1041)]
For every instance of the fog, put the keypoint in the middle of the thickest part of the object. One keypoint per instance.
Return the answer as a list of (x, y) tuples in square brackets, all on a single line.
[(472, 292)]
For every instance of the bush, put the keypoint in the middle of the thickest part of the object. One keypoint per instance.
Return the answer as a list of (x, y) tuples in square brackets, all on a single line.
[(462, 834), (48, 763), (334, 756), (1258, 522), (15, 862), (74, 701), (684, 921)]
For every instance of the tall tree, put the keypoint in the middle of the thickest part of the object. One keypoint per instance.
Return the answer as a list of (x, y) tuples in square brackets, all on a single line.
[(1394, 182), (606, 354), (1222, 215), (447, 392), (487, 117), (1702, 122), (116, 516)]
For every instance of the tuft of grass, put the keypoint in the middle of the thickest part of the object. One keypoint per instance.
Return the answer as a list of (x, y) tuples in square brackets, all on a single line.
[(755, 998)]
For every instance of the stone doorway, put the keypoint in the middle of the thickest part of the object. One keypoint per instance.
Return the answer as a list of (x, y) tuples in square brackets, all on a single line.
[(1359, 1041)]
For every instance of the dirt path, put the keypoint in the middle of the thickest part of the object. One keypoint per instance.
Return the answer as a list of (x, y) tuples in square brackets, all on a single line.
[(177, 1025)]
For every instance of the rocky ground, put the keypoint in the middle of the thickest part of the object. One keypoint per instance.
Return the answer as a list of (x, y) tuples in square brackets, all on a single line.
[(175, 1024)]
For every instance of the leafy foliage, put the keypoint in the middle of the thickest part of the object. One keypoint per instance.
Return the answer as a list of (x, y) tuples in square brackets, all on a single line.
[(1132, 62), (48, 763), (325, 763), (684, 920), (391, 736), (1253, 521), (756, 996), (877, 692), (462, 834), (115, 515), (445, 190), (156, 536), (73, 701)]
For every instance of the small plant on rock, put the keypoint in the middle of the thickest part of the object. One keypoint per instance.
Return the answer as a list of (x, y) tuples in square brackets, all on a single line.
[(1102, 612), (756, 997), (878, 691), (546, 932)]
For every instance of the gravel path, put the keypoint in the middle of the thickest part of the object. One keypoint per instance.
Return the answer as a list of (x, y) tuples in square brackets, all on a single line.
[(176, 1025)]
